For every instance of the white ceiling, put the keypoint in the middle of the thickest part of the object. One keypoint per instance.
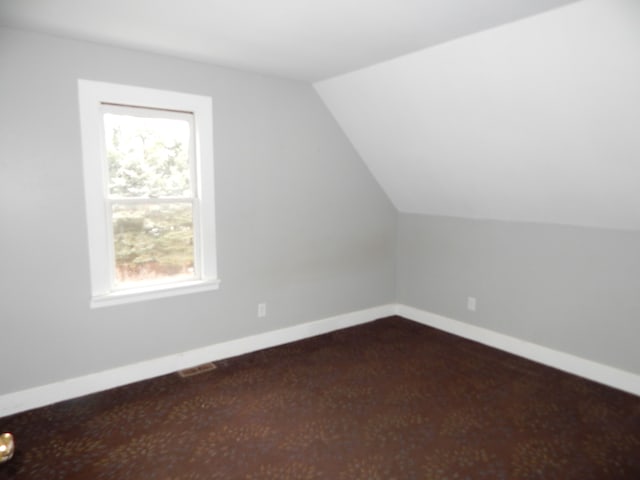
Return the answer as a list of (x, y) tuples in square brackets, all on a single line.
[(537, 120), (301, 39)]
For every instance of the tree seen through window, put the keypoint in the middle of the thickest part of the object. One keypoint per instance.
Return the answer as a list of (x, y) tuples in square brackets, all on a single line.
[(150, 192)]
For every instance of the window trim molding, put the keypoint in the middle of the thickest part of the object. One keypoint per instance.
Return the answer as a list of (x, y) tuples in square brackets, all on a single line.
[(92, 95), (161, 290)]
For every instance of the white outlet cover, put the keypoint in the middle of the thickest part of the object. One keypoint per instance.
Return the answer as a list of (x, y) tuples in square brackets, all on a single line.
[(471, 303)]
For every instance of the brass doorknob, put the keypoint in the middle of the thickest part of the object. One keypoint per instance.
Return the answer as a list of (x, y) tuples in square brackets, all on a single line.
[(7, 447)]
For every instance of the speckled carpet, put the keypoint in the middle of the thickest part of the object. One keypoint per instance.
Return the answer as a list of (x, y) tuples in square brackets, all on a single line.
[(387, 400)]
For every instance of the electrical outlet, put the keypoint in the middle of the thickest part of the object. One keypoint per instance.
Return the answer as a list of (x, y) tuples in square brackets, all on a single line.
[(471, 304), (262, 310)]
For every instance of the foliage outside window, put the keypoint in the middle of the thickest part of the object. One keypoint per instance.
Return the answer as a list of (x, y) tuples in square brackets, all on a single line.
[(151, 194)]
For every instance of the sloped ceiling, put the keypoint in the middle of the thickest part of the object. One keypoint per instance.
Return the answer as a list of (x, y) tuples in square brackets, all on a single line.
[(537, 120), (302, 39)]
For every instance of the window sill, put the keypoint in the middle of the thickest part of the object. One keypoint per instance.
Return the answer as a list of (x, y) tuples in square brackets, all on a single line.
[(121, 297)]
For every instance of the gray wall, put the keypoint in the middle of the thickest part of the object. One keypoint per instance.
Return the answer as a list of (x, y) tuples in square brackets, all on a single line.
[(301, 223), (572, 289)]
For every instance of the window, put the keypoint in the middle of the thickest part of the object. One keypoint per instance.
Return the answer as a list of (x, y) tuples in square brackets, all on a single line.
[(148, 171)]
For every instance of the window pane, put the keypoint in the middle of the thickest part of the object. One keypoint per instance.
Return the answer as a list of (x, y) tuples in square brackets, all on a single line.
[(153, 242), (147, 157)]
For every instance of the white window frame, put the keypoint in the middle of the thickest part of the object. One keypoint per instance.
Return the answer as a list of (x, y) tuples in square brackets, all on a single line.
[(92, 96)]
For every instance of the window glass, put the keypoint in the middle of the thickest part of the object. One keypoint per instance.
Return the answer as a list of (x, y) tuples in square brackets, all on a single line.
[(147, 156), (153, 242)]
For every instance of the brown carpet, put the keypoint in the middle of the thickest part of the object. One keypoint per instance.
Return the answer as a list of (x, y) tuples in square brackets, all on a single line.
[(387, 400)]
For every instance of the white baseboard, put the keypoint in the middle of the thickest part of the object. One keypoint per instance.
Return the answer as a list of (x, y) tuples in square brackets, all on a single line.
[(75, 387), (597, 372)]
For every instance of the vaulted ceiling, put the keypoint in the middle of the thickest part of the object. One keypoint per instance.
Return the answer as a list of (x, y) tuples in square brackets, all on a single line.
[(525, 110), (537, 120)]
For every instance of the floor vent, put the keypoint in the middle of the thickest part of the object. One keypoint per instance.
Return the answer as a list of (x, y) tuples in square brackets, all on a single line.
[(198, 369)]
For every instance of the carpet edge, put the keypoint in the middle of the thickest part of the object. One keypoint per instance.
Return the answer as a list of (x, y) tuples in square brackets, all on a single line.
[(51, 393), (589, 369)]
